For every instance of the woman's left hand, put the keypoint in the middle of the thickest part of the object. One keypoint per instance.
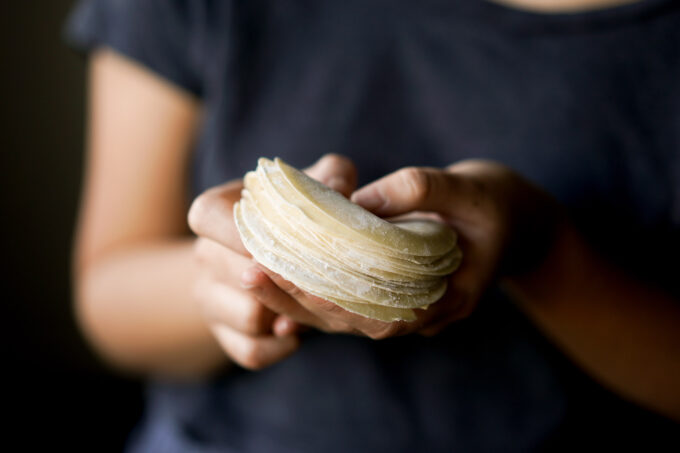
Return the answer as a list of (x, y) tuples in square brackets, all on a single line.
[(504, 224)]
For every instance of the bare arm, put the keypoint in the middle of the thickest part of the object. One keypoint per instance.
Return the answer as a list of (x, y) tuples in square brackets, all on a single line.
[(625, 334), (150, 298), (134, 269)]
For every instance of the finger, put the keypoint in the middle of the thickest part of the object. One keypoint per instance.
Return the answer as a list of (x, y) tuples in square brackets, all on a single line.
[(335, 171), (220, 262), (212, 215), (333, 317), (459, 310), (457, 303), (283, 326), (454, 311), (277, 300), (284, 297), (254, 353), (413, 189), (234, 307)]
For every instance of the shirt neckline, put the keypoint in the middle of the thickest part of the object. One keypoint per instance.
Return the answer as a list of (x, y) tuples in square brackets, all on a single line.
[(522, 21)]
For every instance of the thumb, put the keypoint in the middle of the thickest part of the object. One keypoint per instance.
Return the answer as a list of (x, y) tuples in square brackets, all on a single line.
[(410, 189), (335, 171)]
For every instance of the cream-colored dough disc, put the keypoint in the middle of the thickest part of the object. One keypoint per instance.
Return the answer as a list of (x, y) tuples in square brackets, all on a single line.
[(334, 249)]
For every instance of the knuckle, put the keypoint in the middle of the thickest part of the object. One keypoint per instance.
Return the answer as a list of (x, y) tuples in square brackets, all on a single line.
[(251, 357), (328, 306), (198, 211), (339, 164), (416, 182), (292, 290), (333, 160)]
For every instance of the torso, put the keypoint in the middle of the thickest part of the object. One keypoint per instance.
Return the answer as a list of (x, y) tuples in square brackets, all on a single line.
[(586, 106)]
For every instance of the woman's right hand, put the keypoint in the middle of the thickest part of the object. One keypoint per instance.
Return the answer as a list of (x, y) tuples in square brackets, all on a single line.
[(252, 335)]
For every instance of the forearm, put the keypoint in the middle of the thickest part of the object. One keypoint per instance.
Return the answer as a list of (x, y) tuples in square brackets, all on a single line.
[(136, 307), (625, 334)]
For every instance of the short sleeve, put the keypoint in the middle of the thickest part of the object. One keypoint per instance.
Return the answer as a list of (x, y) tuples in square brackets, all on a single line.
[(159, 34)]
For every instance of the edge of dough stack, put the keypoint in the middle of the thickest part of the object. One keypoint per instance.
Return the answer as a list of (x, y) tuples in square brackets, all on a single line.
[(334, 249)]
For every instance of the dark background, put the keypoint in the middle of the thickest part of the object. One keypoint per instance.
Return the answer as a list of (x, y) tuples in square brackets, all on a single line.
[(57, 392)]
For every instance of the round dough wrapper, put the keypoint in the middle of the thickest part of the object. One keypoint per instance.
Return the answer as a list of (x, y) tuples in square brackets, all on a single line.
[(336, 250)]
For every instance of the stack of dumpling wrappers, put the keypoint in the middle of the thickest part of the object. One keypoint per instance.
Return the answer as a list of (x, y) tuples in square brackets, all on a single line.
[(334, 249)]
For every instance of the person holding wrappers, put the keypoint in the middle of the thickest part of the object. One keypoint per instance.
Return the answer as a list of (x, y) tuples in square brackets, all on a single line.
[(546, 134)]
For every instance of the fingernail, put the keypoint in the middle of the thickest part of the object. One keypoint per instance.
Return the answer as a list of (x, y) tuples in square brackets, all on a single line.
[(249, 278), (337, 183)]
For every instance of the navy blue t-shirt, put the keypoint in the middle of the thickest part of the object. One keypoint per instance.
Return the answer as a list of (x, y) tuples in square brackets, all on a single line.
[(586, 105)]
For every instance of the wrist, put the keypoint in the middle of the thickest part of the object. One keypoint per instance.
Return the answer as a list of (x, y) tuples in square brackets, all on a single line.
[(538, 221), (562, 256)]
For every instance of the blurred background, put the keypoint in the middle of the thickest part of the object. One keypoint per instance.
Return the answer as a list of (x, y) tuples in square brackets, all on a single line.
[(58, 393)]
